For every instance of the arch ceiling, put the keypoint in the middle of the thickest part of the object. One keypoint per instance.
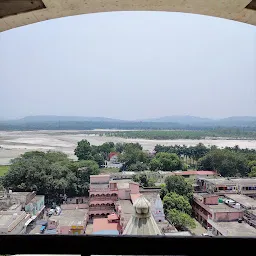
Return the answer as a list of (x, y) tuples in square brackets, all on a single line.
[(15, 13)]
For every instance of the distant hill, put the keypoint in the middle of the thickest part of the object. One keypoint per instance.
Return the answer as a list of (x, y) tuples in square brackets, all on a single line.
[(238, 120), (51, 118), (180, 119), (51, 122)]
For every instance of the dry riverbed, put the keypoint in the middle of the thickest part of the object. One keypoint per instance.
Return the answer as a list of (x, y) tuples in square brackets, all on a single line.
[(17, 142)]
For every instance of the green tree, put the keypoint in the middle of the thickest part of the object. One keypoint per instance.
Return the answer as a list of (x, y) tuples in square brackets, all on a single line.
[(99, 159), (169, 161), (226, 162), (91, 166), (174, 201), (133, 154), (119, 147), (184, 167), (179, 185), (106, 148), (55, 156), (251, 164), (132, 146), (83, 150), (144, 179), (180, 220), (252, 173), (41, 173), (155, 164), (137, 167), (200, 150)]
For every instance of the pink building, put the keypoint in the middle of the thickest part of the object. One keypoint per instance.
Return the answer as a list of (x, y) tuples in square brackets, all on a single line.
[(207, 206), (104, 193)]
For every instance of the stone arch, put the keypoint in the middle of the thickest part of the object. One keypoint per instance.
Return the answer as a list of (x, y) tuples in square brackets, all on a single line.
[(40, 10)]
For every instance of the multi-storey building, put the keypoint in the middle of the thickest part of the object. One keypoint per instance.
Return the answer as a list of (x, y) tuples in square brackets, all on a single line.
[(104, 193), (207, 206), (245, 186), (229, 215)]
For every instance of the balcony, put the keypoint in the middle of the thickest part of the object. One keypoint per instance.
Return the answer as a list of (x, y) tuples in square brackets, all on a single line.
[(103, 198), (141, 245), (101, 208), (102, 190)]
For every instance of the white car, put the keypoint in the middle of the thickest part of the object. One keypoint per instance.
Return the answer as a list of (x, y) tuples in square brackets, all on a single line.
[(205, 234)]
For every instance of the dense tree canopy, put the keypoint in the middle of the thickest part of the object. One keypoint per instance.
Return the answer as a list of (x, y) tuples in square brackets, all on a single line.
[(252, 173), (137, 167), (133, 158), (83, 150), (226, 162), (166, 162), (179, 185), (180, 220), (50, 173), (174, 201), (144, 179)]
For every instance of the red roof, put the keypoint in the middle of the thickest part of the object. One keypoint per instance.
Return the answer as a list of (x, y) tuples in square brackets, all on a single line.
[(112, 154), (103, 224), (191, 172)]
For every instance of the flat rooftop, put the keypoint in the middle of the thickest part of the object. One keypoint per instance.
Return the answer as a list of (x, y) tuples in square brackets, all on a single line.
[(244, 200), (233, 228), (127, 209), (245, 181), (220, 181), (253, 212), (103, 224), (20, 193), (122, 184), (200, 196), (100, 176), (223, 208), (73, 217), (6, 218), (14, 207)]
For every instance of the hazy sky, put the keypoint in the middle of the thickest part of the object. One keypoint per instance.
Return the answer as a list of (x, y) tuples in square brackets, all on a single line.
[(129, 65)]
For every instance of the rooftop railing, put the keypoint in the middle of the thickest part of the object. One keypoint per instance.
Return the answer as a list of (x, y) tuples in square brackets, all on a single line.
[(122, 245)]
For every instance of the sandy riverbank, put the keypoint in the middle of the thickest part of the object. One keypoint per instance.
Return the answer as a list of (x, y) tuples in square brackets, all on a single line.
[(17, 142)]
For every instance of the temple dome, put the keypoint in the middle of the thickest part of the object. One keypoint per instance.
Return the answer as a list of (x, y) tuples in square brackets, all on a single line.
[(142, 206), (142, 222)]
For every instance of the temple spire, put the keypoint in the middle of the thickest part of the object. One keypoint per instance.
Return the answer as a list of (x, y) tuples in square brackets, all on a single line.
[(158, 210), (142, 221)]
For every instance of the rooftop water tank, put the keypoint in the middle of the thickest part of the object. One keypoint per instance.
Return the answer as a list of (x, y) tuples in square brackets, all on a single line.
[(237, 206)]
